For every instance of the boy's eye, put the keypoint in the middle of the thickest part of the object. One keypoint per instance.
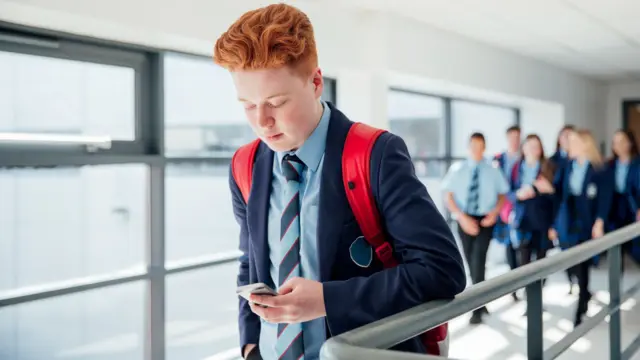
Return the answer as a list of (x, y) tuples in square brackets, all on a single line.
[(278, 103)]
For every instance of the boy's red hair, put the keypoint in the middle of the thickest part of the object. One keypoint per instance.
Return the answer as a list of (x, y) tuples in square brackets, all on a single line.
[(269, 38)]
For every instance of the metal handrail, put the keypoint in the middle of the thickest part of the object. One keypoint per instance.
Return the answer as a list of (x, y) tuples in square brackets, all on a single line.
[(369, 341)]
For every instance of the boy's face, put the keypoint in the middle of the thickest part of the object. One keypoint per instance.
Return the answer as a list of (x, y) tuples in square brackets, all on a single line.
[(476, 148), (280, 105), (513, 140)]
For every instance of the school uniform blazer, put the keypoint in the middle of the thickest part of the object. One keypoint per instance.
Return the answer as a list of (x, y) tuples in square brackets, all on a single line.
[(537, 210), (597, 193), (430, 267), (632, 189)]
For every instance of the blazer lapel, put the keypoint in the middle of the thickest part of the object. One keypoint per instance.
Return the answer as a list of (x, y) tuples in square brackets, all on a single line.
[(333, 201), (258, 212)]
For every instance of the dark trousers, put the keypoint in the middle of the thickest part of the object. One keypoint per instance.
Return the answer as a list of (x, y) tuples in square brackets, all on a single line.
[(475, 252), (512, 257), (535, 246), (582, 271)]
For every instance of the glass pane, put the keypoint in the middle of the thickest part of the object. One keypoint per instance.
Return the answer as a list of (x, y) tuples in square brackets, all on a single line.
[(431, 173), (202, 114), (329, 90), (47, 95), (59, 224), (202, 314), (95, 325), (427, 168), (198, 211), (492, 121), (419, 120)]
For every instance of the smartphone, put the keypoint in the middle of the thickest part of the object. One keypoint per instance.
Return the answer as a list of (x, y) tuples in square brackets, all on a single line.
[(257, 289)]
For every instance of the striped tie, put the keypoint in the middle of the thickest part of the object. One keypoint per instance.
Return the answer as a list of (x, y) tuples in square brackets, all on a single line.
[(474, 194), (289, 345)]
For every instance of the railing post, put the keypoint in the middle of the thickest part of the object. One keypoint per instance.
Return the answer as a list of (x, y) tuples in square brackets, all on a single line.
[(614, 257), (535, 344)]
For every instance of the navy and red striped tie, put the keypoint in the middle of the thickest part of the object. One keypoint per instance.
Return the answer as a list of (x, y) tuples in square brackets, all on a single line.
[(289, 345)]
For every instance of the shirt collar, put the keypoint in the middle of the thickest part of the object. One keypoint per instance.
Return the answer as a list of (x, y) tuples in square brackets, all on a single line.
[(584, 165), (474, 163), (312, 149)]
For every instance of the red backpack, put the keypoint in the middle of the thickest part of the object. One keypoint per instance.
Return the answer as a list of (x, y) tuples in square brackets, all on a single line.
[(356, 179)]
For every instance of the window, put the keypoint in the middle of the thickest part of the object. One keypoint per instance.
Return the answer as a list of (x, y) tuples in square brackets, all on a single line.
[(202, 314), (419, 120), (431, 172), (65, 223), (436, 131), (202, 113), (198, 211), (46, 95), (100, 324), (490, 120)]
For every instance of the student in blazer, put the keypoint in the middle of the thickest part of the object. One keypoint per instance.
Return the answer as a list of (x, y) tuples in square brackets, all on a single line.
[(584, 195), (505, 161), (297, 231), (532, 194), (624, 171)]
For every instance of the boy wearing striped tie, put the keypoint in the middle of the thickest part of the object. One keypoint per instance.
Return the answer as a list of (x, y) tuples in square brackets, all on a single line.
[(298, 233), (475, 192)]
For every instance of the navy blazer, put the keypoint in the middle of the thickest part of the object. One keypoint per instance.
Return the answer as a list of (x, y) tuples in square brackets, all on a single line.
[(535, 214), (430, 267), (559, 162), (594, 207), (632, 190)]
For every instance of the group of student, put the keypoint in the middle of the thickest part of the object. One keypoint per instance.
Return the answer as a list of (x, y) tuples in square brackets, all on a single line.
[(531, 203)]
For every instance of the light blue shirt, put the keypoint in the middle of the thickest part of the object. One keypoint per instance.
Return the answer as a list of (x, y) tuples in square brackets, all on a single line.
[(576, 180), (529, 173), (508, 163), (312, 154), (622, 169), (491, 184)]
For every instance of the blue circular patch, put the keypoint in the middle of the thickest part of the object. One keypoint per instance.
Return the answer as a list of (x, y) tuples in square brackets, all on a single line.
[(361, 252)]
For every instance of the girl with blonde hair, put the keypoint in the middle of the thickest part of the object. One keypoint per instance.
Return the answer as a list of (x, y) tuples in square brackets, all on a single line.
[(584, 195)]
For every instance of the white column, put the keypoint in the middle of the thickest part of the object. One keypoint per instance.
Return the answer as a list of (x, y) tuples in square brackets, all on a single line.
[(362, 96), (363, 86)]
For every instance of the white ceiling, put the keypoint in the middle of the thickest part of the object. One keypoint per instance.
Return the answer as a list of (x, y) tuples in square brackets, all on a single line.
[(598, 38)]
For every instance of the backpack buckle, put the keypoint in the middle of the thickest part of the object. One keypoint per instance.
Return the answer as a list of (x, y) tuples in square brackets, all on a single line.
[(384, 252)]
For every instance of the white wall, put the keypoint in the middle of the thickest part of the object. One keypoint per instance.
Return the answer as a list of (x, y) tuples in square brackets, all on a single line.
[(616, 94), (360, 48)]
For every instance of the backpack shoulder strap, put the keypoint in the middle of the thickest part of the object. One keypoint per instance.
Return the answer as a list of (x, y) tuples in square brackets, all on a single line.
[(242, 167), (356, 176)]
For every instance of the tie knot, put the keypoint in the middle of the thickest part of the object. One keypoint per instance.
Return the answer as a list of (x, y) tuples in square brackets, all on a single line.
[(292, 167)]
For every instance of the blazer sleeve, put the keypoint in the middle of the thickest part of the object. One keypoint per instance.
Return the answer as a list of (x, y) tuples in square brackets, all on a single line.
[(430, 267), (557, 197), (634, 187), (248, 322), (606, 186)]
